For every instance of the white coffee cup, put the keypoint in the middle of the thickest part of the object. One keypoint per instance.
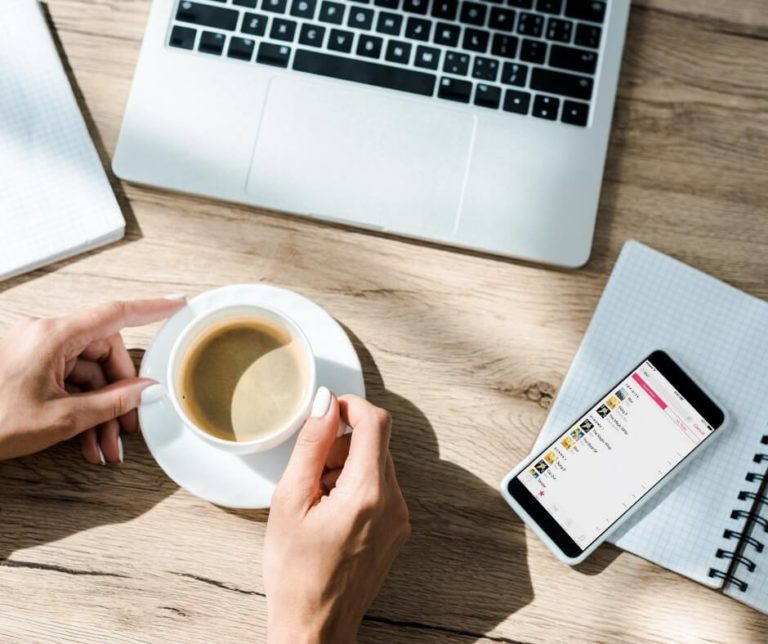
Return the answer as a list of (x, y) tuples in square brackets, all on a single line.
[(200, 325)]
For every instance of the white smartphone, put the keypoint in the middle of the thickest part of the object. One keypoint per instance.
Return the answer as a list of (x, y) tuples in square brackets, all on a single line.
[(603, 467)]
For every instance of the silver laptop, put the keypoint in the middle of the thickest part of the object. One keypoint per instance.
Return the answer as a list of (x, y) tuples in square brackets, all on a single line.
[(479, 124)]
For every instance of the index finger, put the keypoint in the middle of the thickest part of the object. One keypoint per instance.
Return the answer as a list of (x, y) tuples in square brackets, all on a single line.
[(369, 445), (80, 329)]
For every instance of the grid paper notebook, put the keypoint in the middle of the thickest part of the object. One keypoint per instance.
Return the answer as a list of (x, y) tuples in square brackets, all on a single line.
[(55, 199), (711, 522)]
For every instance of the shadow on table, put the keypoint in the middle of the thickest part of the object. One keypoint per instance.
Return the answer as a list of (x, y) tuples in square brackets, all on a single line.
[(52, 495)]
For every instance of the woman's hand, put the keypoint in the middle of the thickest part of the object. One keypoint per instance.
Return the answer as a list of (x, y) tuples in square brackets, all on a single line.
[(72, 375), (337, 522)]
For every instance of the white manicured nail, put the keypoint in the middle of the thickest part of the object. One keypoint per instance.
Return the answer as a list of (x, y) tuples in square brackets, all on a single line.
[(102, 460), (322, 403), (152, 394), (175, 296), (120, 449)]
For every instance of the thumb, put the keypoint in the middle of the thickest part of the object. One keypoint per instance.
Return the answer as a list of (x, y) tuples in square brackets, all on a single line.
[(301, 479), (78, 412)]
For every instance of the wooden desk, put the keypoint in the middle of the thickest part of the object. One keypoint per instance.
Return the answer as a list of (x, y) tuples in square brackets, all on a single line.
[(467, 351)]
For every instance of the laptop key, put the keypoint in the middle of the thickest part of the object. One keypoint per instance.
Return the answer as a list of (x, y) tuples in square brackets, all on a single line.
[(587, 35), (545, 107), (575, 113), (475, 40), (340, 40), (273, 54), (369, 46), (251, 4), (514, 74), (533, 51), (416, 6), (311, 35), (398, 52), (552, 82), (283, 29), (453, 89), (418, 29), (456, 63), (360, 18), (427, 57), (589, 10), (274, 6), (472, 13), (485, 68), (241, 48), (575, 60), (303, 8), (559, 30), (254, 23), (387, 4), (502, 19), (332, 12), (207, 16), (389, 23), (521, 4), (504, 46), (362, 71), (447, 34), (530, 24), (211, 43), (183, 37), (549, 6), (487, 96), (445, 9), (516, 101)]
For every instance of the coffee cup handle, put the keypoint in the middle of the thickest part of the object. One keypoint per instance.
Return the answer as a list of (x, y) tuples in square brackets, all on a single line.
[(153, 394)]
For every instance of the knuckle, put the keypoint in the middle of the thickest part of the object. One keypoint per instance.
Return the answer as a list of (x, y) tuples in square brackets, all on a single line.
[(65, 420), (370, 500), (115, 308)]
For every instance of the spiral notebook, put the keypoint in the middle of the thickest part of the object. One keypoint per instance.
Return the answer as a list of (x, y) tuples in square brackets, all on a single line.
[(55, 199), (711, 522)]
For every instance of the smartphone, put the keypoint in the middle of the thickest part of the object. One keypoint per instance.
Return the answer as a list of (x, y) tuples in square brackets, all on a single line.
[(603, 467)]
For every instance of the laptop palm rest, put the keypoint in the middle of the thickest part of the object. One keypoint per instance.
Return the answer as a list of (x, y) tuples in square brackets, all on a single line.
[(357, 155)]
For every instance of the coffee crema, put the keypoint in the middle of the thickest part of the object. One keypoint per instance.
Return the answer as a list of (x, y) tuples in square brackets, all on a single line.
[(243, 378)]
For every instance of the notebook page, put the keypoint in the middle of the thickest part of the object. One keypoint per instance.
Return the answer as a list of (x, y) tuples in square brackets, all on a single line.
[(55, 198), (718, 334)]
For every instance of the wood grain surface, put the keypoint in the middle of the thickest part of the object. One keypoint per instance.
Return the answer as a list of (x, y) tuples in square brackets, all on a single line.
[(468, 352)]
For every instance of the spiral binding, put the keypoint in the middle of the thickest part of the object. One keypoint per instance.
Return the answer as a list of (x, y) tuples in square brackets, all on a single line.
[(738, 556)]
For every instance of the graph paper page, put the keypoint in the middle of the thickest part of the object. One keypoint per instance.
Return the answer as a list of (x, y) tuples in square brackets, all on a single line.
[(718, 334), (55, 198)]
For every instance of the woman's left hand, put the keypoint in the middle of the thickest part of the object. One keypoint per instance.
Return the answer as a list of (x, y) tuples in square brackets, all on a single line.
[(73, 375)]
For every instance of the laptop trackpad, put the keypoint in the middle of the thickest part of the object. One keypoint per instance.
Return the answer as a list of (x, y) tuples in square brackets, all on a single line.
[(362, 156)]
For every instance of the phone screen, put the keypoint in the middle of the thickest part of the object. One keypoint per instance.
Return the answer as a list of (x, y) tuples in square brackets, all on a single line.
[(613, 455)]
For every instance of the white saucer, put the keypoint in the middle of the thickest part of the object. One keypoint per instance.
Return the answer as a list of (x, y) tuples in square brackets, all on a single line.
[(219, 477)]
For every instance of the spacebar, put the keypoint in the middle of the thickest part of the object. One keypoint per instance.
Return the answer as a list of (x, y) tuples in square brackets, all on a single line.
[(364, 72)]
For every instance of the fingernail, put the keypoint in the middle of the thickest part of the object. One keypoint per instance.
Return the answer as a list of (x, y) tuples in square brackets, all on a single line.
[(322, 403), (152, 394), (342, 427), (102, 460), (175, 296), (120, 449)]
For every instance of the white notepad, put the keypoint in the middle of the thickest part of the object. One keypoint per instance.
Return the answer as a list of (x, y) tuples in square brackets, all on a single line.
[(55, 199), (719, 335)]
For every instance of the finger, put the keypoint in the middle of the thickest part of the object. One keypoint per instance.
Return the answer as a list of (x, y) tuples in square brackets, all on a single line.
[(369, 445), (109, 438), (76, 413), (301, 479), (328, 480), (87, 375), (117, 364), (80, 329), (89, 445), (339, 452)]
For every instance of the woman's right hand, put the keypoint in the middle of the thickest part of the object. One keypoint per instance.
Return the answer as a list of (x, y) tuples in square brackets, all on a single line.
[(337, 522)]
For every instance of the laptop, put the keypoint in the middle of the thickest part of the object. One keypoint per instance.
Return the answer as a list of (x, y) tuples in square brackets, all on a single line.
[(477, 124)]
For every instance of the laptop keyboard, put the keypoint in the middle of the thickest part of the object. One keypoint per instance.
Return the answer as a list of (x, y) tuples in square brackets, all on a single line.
[(527, 57)]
